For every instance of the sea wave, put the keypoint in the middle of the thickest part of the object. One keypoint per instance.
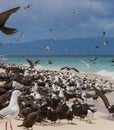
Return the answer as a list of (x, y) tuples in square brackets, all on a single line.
[(106, 73)]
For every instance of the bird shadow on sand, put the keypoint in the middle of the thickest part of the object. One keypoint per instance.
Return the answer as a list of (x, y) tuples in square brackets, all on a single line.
[(56, 124)]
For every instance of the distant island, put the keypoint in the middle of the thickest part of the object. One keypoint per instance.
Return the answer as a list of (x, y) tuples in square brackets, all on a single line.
[(75, 46)]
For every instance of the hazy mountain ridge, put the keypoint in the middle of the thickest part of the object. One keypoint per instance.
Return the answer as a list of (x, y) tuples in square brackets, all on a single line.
[(77, 46)]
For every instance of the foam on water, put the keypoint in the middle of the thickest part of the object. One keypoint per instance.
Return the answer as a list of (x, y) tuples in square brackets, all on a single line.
[(106, 73)]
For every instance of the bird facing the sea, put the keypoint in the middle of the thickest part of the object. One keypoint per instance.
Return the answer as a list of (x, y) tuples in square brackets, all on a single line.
[(3, 18), (11, 111)]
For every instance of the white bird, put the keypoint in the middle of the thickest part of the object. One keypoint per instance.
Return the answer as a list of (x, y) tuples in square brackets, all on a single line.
[(89, 116), (17, 85), (76, 12), (61, 93), (87, 64), (106, 43), (47, 48), (12, 110)]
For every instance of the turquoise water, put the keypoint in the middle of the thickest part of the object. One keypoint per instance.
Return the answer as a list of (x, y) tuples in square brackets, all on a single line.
[(102, 63)]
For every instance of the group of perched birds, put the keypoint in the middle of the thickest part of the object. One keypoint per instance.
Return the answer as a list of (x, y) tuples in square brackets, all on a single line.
[(46, 95)]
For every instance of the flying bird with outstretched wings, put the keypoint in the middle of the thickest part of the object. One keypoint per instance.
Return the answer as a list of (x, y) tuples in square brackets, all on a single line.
[(32, 64), (28, 7), (3, 18), (20, 37)]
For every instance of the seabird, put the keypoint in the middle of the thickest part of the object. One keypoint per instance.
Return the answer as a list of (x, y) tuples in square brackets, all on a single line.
[(50, 62), (12, 110), (32, 64), (106, 43), (3, 18), (50, 30), (20, 37), (54, 40), (47, 48), (103, 33), (28, 7), (87, 64), (76, 12), (97, 46), (93, 60)]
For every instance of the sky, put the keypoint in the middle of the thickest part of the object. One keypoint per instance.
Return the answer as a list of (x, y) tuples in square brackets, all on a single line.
[(66, 19)]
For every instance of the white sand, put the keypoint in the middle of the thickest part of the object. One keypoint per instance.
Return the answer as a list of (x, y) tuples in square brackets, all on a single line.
[(101, 120)]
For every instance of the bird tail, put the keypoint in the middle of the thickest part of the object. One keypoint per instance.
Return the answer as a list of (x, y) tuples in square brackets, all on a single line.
[(19, 125), (8, 31)]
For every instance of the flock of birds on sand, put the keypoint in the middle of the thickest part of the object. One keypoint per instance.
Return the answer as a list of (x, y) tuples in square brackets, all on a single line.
[(38, 96)]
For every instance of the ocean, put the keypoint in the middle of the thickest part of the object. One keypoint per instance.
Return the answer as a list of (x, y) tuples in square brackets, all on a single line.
[(103, 65)]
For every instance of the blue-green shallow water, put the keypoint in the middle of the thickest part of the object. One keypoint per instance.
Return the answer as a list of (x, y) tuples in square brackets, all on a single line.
[(103, 63)]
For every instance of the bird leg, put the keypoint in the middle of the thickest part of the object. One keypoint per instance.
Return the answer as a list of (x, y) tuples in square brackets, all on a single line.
[(11, 126), (6, 126)]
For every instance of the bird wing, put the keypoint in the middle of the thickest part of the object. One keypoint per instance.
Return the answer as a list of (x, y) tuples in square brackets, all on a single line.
[(6, 112), (36, 62), (75, 69), (49, 62), (5, 15), (93, 60), (103, 97), (85, 63), (30, 62)]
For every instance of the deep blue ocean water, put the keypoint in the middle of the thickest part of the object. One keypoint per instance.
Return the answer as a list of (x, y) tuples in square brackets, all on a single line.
[(103, 65)]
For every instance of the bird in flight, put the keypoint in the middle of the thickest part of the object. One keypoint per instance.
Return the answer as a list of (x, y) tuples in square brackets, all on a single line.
[(28, 7), (47, 48), (3, 18), (50, 62), (103, 33), (93, 61), (50, 30), (76, 12), (106, 43), (32, 64), (20, 37), (87, 64)]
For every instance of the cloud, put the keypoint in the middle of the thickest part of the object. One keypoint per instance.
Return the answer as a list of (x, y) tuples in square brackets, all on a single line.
[(94, 16)]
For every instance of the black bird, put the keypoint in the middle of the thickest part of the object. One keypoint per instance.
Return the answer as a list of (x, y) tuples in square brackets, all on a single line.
[(31, 63), (52, 115), (108, 106), (93, 60), (50, 62), (3, 18), (29, 120), (103, 33), (50, 30), (28, 7), (97, 46)]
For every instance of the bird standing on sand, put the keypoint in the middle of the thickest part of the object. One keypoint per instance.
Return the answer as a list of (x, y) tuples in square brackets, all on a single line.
[(3, 18), (12, 110)]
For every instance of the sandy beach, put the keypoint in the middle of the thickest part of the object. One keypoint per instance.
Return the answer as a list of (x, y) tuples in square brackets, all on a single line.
[(101, 118)]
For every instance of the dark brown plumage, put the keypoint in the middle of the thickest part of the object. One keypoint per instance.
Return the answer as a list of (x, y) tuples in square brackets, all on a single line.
[(32, 64), (29, 120), (3, 18), (109, 107)]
